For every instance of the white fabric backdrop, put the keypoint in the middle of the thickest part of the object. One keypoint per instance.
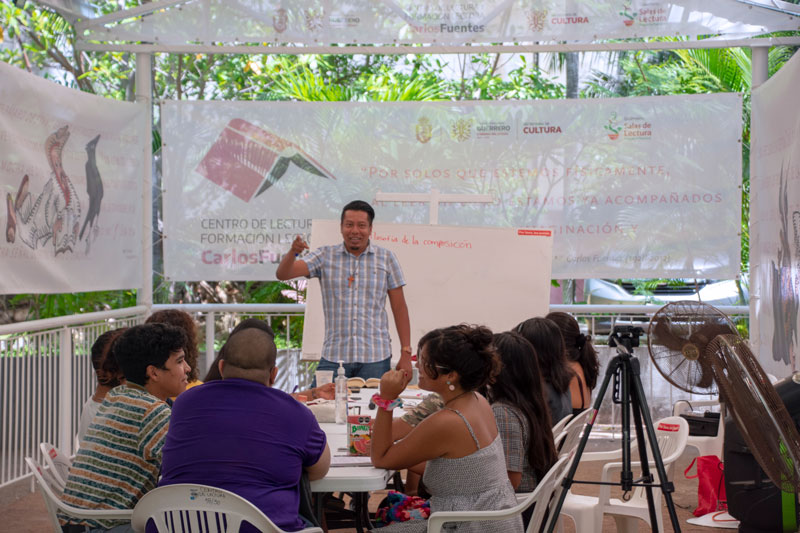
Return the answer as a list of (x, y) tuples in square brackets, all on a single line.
[(631, 187), (440, 21), (775, 222), (475, 281), (52, 251)]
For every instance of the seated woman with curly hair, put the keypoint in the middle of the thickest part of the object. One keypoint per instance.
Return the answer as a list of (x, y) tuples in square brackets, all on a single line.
[(466, 468)]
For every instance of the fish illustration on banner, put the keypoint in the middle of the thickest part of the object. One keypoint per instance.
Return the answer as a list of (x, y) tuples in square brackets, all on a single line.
[(56, 212)]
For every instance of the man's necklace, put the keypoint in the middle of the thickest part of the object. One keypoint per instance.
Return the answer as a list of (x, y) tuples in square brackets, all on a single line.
[(352, 277)]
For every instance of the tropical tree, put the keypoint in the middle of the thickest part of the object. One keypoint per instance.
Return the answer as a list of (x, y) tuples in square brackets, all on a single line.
[(693, 71), (43, 43)]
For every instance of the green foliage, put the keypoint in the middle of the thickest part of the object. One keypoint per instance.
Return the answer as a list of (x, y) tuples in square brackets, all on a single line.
[(44, 43), (53, 305)]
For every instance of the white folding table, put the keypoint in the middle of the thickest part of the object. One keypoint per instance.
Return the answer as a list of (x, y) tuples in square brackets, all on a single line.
[(358, 480)]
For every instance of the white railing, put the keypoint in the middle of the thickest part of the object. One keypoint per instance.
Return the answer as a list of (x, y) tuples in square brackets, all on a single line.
[(42, 394)]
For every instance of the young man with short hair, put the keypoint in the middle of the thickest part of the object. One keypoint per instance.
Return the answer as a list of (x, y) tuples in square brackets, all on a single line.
[(120, 457)]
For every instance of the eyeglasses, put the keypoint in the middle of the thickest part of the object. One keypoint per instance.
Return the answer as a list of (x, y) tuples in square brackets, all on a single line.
[(440, 367)]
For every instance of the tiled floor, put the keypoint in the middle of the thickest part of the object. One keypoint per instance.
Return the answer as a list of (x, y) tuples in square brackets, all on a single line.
[(27, 514)]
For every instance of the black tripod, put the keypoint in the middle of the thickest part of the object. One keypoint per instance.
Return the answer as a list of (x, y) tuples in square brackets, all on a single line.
[(628, 391)]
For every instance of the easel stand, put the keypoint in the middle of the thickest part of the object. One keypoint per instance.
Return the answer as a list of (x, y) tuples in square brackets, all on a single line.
[(628, 391)]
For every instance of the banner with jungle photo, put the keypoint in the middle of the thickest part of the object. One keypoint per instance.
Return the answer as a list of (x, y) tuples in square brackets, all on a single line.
[(631, 187), (71, 173)]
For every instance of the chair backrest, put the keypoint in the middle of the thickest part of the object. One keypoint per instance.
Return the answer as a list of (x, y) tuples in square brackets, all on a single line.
[(573, 431), (187, 507), (57, 462), (548, 487), (53, 502), (672, 434), (558, 427)]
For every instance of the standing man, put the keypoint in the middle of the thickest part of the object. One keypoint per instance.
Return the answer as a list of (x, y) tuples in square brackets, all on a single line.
[(356, 277)]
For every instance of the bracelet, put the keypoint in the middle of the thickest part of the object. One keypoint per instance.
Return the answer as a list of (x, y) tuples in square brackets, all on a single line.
[(386, 405)]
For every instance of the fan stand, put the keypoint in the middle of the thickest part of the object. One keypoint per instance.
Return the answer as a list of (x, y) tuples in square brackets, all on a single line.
[(628, 391)]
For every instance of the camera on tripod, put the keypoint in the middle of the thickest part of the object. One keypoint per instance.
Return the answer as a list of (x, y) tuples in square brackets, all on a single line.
[(627, 336)]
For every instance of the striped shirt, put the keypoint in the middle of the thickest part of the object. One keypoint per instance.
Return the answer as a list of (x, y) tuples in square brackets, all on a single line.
[(120, 458), (354, 290)]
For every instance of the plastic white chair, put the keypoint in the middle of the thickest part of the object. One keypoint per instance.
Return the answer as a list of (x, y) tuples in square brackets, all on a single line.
[(213, 510), (558, 427), (573, 432), (547, 491), (587, 511), (49, 490), (57, 462), (704, 445)]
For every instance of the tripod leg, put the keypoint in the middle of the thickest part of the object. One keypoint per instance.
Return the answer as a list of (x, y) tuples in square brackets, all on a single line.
[(667, 488), (625, 475), (646, 476), (613, 365)]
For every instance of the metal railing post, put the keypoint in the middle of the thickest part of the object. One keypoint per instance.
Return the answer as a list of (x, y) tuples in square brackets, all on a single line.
[(65, 391)]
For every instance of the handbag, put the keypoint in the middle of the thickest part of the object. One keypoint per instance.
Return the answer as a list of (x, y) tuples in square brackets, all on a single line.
[(710, 484), (398, 507)]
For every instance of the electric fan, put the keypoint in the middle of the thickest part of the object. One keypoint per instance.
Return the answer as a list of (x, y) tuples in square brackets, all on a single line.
[(758, 411), (696, 348), (677, 339)]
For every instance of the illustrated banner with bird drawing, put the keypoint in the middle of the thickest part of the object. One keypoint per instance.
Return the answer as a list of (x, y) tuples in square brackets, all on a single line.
[(631, 187), (775, 222), (70, 172)]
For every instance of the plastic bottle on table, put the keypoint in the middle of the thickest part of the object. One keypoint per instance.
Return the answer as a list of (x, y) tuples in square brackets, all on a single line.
[(341, 395)]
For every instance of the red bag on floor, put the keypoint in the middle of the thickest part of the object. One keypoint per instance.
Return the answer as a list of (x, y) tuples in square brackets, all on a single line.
[(710, 484)]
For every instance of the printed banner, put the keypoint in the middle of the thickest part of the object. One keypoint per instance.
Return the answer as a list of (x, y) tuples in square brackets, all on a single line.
[(775, 223), (443, 22), (71, 172), (630, 187)]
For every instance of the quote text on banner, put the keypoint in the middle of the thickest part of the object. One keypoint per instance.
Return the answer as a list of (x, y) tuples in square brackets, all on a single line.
[(70, 170), (631, 187)]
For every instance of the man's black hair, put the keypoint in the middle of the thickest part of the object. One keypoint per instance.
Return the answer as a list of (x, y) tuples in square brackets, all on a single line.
[(359, 205), (145, 345)]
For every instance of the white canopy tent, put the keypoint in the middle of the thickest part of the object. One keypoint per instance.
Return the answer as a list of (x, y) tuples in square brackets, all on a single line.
[(404, 27), (734, 23)]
